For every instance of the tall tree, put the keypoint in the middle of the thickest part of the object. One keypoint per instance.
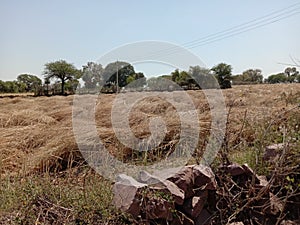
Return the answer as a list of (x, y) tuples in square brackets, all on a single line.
[(223, 73), (61, 70), (92, 75)]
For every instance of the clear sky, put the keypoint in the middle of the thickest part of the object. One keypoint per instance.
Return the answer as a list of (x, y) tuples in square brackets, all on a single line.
[(34, 32)]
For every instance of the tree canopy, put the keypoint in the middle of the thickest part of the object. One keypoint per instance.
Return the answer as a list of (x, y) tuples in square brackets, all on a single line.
[(277, 78), (292, 74), (119, 69), (223, 73), (92, 75), (31, 82), (61, 70), (250, 76), (121, 74)]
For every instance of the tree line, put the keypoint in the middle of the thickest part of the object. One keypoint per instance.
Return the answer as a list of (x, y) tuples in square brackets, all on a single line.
[(61, 77)]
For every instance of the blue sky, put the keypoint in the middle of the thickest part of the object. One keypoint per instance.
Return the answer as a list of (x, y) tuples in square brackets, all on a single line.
[(36, 32)]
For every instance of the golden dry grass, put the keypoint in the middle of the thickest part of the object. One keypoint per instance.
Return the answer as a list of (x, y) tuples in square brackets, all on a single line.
[(36, 133)]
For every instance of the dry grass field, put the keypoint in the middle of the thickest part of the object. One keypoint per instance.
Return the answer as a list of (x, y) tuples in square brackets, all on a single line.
[(43, 177)]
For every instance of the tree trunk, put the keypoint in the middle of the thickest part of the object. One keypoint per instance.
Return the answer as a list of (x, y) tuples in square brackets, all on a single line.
[(62, 86)]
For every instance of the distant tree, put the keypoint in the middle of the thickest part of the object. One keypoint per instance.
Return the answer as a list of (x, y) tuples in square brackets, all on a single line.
[(292, 74), (119, 69), (159, 84), (92, 75), (202, 77), (238, 79), (168, 77), (250, 76), (47, 83), (175, 75), (136, 80), (223, 73), (12, 87), (182, 78), (31, 82), (3, 87), (253, 75), (71, 86), (61, 70), (277, 78)]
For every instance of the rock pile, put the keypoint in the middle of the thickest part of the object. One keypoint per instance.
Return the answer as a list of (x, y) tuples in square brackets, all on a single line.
[(196, 196), (182, 198)]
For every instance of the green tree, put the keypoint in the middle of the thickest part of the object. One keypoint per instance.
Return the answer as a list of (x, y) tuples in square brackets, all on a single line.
[(119, 69), (253, 75), (13, 87), (32, 82), (71, 85), (136, 80), (159, 84), (277, 78), (250, 76), (2, 87), (292, 74), (175, 75), (61, 70), (223, 73), (202, 77), (92, 75), (182, 78)]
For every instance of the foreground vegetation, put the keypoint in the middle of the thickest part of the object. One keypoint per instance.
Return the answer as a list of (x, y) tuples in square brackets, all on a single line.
[(45, 180)]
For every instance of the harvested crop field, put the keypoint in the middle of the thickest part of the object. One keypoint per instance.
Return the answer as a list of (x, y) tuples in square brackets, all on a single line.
[(37, 140), (33, 130)]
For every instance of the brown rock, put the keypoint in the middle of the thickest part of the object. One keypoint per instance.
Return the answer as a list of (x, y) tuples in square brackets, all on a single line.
[(170, 188), (166, 186), (193, 206), (204, 178), (148, 178), (234, 170), (126, 195), (159, 208), (184, 179)]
